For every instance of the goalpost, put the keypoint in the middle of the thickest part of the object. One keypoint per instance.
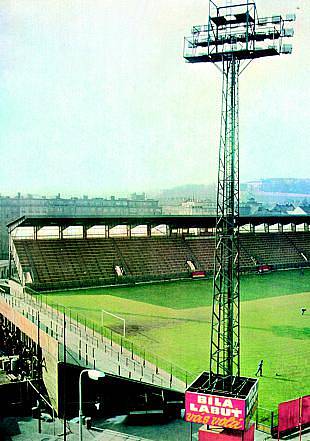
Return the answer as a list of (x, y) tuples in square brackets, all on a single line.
[(103, 311)]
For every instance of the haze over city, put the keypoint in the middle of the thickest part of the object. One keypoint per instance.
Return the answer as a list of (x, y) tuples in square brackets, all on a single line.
[(96, 98)]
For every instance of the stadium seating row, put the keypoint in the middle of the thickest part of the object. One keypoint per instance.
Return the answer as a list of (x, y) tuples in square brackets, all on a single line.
[(92, 261)]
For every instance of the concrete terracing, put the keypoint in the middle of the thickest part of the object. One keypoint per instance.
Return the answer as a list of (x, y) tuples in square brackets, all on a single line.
[(84, 347)]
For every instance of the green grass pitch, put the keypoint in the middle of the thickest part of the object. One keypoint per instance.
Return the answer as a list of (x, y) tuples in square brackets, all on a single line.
[(173, 321)]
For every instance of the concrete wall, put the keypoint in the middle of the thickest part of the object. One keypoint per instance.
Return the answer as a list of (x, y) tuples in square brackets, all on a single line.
[(16, 288), (48, 344), (4, 269)]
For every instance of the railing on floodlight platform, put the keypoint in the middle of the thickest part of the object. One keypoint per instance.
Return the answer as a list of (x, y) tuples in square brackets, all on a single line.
[(236, 30)]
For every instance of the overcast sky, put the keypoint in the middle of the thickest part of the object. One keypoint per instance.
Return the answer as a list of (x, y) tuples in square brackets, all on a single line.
[(95, 98)]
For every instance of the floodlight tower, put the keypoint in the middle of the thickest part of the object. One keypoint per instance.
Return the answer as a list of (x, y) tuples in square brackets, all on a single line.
[(232, 38)]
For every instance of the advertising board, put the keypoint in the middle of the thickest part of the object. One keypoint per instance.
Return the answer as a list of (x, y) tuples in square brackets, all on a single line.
[(215, 410), (220, 400)]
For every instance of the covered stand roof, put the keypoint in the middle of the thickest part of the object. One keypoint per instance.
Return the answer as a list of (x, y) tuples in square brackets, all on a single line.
[(202, 221)]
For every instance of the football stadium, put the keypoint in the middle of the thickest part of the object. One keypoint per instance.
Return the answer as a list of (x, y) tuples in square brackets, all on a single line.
[(148, 282), (194, 325)]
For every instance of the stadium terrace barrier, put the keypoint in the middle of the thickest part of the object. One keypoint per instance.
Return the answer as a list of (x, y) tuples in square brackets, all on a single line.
[(265, 420), (137, 353), (123, 352), (96, 283)]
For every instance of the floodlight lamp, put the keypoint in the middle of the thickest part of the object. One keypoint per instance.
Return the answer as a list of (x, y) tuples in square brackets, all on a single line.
[(262, 21), (290, 17), (93, 374), (276, 19), (286, 49), (288, 32)]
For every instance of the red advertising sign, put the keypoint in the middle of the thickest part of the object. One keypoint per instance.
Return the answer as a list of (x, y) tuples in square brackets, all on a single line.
[(215, 410), (288, 415), (294, 413), (305, 409), (196, 274)]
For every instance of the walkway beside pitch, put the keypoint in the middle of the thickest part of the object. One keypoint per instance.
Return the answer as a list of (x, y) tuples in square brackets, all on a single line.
[(87, 348)]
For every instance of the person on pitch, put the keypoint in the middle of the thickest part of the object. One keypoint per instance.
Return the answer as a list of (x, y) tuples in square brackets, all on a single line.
[(260, 369)]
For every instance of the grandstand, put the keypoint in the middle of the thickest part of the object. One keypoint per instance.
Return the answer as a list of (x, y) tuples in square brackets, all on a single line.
[(187, 246)]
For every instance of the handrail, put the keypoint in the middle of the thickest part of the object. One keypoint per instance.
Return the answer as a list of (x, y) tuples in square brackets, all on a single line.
[(126, 351), (125, 343)]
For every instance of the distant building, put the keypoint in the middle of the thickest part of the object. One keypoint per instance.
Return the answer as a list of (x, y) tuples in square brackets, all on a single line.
[(251, 206), (244, 210), (278, 190), (12, 208), (193, 208), (205, 207), (302, 209), (282, 208), (190, 208)]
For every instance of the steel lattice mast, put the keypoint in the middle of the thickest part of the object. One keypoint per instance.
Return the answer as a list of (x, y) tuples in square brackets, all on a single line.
[(233, 37), (225, 339)]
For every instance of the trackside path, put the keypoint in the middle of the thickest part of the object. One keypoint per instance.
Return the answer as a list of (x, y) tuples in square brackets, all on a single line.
[(89, 349)]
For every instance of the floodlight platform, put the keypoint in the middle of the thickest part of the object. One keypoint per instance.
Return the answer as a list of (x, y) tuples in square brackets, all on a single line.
[(241, 55), (235, 31), (223, 385)]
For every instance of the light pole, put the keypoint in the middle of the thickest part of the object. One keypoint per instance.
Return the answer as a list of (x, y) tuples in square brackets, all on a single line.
[(93, 375)]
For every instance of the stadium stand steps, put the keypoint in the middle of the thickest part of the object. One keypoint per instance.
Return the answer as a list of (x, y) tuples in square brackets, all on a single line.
[(124, 264), (66, 263), (301, 243), (193, 257)]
